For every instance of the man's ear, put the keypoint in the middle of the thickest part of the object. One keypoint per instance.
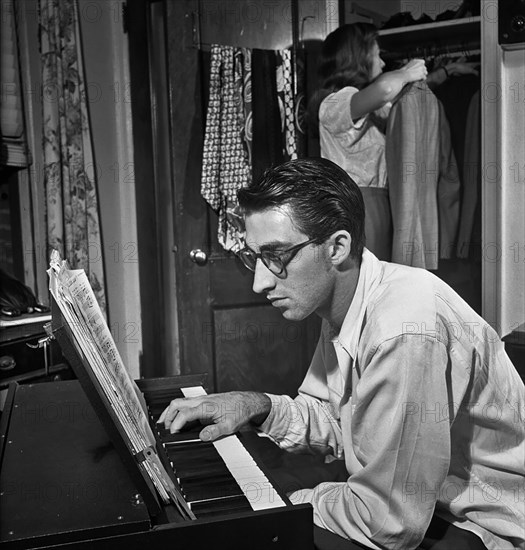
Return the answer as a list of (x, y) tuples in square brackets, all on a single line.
[(340, 247)]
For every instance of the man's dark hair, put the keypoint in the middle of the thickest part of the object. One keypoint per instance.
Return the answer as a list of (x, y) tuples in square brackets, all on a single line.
[(323, 198)]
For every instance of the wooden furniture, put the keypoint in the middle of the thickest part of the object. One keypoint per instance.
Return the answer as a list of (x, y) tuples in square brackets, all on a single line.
[(68, 452), (22, 360), (62, 481)]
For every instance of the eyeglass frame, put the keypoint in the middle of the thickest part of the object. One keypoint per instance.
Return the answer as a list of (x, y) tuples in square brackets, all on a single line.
[(260, 256)]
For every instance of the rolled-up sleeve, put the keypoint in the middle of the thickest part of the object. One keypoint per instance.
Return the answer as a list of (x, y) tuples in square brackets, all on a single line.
[(335, 113), (400, 436)]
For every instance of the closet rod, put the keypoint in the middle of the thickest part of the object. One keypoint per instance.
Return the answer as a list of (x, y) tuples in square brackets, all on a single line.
[(432, 50), (207, 47)]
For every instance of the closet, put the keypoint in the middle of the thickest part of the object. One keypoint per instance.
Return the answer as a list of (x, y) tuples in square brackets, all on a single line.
[(492, 276), (438, 34)]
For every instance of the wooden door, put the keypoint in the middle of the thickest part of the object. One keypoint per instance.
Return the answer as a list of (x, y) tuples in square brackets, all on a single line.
[(225, 329)]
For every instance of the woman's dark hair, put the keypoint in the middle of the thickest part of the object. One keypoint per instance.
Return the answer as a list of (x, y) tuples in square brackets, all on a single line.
[(322, 196), (346, 60)]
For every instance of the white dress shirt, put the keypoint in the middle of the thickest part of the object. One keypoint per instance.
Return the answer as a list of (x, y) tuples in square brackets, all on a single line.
[(418, 396)]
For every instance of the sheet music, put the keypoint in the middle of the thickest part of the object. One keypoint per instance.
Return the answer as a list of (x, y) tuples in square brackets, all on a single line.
[(74, 296)]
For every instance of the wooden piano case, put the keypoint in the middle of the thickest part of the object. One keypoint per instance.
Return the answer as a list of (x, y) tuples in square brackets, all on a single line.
[(67, 478)]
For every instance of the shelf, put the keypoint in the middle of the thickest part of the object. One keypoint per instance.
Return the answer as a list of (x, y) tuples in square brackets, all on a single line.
[(9, 333), (463, 31)]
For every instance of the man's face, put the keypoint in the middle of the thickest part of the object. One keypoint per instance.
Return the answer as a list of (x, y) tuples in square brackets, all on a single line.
[(308, 284)]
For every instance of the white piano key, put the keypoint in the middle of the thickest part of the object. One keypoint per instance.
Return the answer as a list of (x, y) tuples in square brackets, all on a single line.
[(254, 484), (193, 391)]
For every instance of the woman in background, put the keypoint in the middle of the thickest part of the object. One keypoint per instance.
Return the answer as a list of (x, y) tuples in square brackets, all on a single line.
[(351, 109)]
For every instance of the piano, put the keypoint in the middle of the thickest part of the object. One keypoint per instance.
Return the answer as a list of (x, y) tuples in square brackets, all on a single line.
[(68, 479)]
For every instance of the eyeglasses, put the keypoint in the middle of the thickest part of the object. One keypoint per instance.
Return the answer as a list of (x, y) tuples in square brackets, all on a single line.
[(276, 262)]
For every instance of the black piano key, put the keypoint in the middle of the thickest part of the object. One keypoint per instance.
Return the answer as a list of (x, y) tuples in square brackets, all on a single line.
[(196, 460), (164, 394), (185, 435), (206, 463), (222, 479), (200, 471), (193, 446), (193, 456), (220, 506), (158, 400), (187, 462), (209, 473), (216, 489)]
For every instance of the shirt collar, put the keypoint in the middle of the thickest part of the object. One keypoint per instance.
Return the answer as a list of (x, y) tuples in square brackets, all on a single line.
[(370, 274)]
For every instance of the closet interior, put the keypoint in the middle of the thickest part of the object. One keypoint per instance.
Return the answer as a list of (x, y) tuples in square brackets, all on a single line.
[(442, 32)]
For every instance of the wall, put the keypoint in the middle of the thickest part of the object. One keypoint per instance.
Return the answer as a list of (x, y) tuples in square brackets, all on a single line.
[(511, 250), (107, 75), (503, 182)]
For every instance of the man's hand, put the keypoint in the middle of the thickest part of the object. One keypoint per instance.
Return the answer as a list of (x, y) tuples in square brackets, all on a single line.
[(224, 413)]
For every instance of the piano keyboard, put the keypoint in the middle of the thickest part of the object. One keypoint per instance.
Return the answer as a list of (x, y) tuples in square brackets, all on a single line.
[(215, 477)]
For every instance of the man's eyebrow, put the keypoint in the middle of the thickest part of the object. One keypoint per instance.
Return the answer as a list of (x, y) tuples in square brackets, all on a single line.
[(275, 245)]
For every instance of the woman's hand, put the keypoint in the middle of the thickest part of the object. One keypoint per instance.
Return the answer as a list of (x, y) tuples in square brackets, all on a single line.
[(414, 70), (453, 68), (461, 67)]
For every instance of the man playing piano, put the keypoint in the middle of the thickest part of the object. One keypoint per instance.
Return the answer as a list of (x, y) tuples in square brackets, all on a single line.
[(408, 385)]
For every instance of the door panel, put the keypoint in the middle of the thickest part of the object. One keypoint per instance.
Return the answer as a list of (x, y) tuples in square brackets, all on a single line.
[(256, 349)]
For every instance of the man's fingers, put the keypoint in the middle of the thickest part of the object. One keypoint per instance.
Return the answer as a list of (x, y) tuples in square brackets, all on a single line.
[(182, 411), (182, 417), (162, 416), (169, 413), (224, 413), (214, 431)]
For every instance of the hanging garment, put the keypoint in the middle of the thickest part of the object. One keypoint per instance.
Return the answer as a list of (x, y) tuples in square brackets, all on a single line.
[(247, 129), (449, 190), (378, 222), (285, 97), (456, 94), (300, 103), (225, 165), (267, 127), (467, 239), (419, 162)]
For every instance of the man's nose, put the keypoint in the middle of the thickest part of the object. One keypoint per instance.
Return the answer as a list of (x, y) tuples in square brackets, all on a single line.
[(263, 278)]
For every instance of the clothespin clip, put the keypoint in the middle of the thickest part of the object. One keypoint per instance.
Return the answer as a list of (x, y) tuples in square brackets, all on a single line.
[(44, 343)]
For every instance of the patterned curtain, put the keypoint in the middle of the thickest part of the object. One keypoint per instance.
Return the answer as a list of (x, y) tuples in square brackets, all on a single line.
[(70, 178)]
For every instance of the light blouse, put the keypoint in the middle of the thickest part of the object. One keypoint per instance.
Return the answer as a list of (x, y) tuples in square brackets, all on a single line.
[(356, 146)]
